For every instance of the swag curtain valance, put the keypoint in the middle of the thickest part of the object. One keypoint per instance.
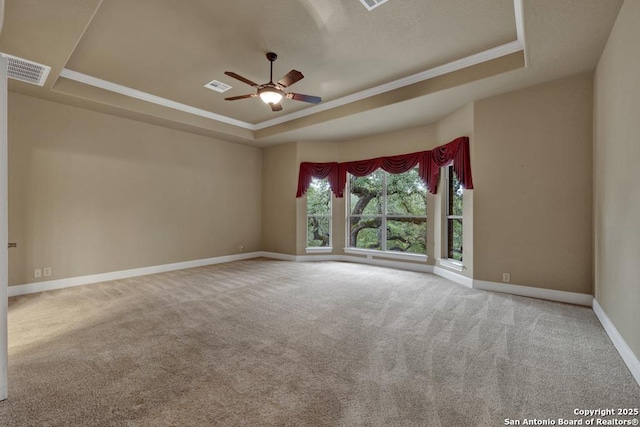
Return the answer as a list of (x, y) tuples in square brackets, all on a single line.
[(429, 164), (309, 171)]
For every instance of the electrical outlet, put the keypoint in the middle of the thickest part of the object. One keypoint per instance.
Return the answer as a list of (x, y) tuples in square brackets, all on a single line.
[(506, 277), (37, 273), (46, 272), (241, 248)]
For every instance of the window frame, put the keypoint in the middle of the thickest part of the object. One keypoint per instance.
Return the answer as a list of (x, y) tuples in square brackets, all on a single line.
[(329, 216), (448, 216), (384, 216)]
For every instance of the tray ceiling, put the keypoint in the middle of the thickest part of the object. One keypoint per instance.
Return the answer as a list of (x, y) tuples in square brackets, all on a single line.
[(150, 59)]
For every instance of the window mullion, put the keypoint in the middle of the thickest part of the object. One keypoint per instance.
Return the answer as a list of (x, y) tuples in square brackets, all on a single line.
[(330, 216), (449, 211), (383, 244), (450, 216)]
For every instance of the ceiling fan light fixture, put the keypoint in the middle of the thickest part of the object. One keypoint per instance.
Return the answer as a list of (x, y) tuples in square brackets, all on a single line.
[(270, 95)]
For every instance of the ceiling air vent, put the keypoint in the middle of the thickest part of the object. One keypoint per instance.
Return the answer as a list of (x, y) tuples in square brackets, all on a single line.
[(217, 86), (372, 4), (26, 71)]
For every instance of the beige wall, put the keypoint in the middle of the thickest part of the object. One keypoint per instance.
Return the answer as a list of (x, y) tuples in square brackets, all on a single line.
[(389, 144), (280, 181), (532, 174), (617, 193), (92, 193)]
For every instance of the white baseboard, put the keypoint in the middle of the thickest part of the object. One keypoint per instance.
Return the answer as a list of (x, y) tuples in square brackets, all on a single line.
[(568, 297), (508, 288), (279, 256), (423, 268), (50, 285), (346, 258), (540, 293), (455, 277), (123, 274), (620, 344), (553, 295)]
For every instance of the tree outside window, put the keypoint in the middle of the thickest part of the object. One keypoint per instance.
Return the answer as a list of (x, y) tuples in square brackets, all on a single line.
[(388, 212), (319, 214)]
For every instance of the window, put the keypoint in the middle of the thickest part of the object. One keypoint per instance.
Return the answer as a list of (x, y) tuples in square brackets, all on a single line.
[(319, 214), (454, 216), (388, 212)]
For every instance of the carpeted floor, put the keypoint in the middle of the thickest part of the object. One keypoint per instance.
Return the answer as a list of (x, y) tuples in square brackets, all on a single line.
[(266, 343)]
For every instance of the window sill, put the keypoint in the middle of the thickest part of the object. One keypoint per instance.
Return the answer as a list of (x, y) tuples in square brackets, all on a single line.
[(319, 250), (388, 254), (451, 264)]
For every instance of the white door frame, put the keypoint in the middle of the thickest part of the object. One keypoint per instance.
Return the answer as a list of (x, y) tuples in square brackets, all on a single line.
[(4, 232)]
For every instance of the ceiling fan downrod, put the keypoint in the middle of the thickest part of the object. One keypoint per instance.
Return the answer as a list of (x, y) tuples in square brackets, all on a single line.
[(271, 57)]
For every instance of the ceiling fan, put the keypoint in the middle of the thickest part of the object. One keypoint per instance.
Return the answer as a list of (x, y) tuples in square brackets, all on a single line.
[(272, 93)]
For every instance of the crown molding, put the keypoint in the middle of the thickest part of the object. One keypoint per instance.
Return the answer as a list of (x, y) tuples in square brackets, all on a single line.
[(144, 96), (519, 16)]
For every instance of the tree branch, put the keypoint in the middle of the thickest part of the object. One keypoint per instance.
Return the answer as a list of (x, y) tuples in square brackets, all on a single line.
[(324, 238), (359, 225)]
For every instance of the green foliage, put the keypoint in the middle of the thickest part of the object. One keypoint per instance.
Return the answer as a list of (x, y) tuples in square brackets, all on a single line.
[(366, 194), (318, 214), (404, 217), (369, 237), (455, 194), (403, 236), (406, 209), (406, 194), (318, 231), (318, 197), (454, 227)]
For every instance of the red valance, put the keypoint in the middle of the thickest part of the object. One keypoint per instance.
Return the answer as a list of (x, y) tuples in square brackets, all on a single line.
[(317, 170), (392, 164), (457, 151), (430, 162)]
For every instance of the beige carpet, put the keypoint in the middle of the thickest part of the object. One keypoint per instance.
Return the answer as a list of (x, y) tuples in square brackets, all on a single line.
[(266, 343)]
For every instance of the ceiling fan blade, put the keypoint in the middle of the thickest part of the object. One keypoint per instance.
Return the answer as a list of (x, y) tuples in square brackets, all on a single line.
[(291, 77), (233, 98), (242, 79), (276, 107), (304, 98)]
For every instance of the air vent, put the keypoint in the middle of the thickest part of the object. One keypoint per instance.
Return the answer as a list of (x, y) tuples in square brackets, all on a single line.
[(372, 4), (217, 86), (26, 71)]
